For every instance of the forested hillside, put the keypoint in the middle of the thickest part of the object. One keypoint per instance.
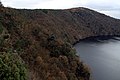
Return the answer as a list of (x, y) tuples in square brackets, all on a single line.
[(37, 44)]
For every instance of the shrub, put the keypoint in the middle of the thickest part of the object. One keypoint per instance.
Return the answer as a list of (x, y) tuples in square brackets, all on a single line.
[(71, 53), (67, 50), (83, 71), (21, 44), (3, 37), (35, 32), (12, 67), (1, 41), (45, 11), (72, 76), (64, 49), (1, 28)]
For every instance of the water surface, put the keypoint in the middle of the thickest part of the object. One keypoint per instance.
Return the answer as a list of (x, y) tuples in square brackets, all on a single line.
[(103, 58)]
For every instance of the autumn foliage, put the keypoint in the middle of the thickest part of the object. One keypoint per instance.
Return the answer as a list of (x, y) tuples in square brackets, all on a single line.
[(43, 39)]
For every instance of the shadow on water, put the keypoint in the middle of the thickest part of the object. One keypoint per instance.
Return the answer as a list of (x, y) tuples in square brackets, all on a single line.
[(100, 38)]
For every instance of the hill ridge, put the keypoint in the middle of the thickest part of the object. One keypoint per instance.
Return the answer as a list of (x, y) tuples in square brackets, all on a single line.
[(43, 39)]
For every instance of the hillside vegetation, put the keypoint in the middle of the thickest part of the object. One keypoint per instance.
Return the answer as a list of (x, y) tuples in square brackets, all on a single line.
[(42, 41)]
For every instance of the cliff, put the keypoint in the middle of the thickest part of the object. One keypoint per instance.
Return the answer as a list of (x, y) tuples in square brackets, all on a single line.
[(43, 39)]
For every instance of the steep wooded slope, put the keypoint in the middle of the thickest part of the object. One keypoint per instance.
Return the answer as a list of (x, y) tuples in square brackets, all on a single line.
[(43, 38)]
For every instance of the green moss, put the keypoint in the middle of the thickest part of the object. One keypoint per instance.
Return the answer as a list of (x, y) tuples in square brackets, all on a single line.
[(12, 67)]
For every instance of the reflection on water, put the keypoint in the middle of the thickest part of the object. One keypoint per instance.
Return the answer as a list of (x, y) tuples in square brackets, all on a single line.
[(102, 57)]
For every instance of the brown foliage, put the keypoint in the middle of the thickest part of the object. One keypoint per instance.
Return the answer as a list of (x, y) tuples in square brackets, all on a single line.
[(40, 33)]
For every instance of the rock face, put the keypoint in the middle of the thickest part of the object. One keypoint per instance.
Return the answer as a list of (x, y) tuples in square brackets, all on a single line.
[(43, 38)]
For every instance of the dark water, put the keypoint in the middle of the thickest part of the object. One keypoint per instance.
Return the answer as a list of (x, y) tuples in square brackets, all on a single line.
[(103, 58)]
